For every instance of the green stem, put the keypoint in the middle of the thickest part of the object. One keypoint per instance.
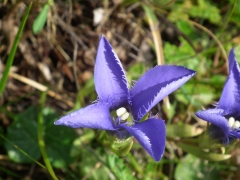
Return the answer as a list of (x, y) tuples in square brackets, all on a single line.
[(41, 139), (13, 50), (135, 164)]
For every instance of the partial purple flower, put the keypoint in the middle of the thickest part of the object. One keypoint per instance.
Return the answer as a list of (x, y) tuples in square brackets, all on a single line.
[(225, 118), (114, 95)]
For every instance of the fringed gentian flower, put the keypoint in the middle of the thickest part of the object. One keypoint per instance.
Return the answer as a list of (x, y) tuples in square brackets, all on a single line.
[(225, 118), (114, 95)]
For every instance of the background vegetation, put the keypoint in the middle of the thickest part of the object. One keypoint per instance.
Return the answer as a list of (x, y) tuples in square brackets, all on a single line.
[(47, 54)]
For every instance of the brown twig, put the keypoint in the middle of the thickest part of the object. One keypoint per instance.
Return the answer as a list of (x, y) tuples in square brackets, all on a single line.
[(40, 87)]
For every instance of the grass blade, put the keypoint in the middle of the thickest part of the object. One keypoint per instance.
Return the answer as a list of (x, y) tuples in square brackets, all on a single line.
[(22, 151), (13, 50)]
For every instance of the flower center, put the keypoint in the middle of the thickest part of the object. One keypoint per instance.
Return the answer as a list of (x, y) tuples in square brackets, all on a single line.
[(122, 113), (233, 124)]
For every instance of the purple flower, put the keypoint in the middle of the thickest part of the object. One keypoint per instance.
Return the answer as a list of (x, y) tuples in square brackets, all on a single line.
[(224, 119), (114, 95)]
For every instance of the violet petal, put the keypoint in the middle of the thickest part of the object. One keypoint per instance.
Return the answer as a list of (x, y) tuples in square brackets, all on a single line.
[(156, 84), (109, 76), (231, 59), (230, 98), (234, 134), (151, 134), (215, 116), (95, 116)]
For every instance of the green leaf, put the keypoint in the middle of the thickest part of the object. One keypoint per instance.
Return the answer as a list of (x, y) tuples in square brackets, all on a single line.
[(41, 19), (55, 137), (184, 55), (23, 133), (187, 29), (182, 130), (192, 168), (203, 10), (206, 11), (13, 50), (196, 151)]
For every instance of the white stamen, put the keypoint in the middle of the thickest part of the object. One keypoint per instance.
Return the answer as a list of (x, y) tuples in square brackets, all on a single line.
[(121, 111), (126, 115), (236, 125), (231, 122)]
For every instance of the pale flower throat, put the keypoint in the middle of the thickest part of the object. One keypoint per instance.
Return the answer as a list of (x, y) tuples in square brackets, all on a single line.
[(233, 124), (122, 113)]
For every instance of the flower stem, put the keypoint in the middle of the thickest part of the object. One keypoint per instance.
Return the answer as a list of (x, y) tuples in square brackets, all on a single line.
[(214, 37), (41, 139)]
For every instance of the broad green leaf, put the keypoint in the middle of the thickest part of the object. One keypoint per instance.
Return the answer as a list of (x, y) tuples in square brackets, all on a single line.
[(23, 133), (182, 130), (196, 151), (55, 137), (192, 168), (13, 50), (41, 19)]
